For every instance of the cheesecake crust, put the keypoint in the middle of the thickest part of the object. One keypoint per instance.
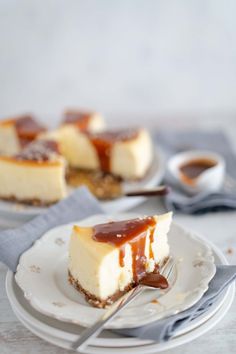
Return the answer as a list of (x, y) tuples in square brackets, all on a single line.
[(103, 186), (95, 301), (29, 202)]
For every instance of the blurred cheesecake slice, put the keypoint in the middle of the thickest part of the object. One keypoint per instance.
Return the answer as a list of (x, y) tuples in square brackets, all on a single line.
[(36, 175), (107, 260), (17, 132), (84, 120), (124, 153)]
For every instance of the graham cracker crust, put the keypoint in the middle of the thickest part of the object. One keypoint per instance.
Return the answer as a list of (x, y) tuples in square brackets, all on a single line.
[(95, 301), (32, 202), (103, 186)]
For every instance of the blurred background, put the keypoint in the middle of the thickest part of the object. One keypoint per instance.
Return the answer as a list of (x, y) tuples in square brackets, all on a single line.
[(133, 60)]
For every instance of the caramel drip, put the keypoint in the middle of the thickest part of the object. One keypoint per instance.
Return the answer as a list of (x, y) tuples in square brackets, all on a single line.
[(103, 149), (28, 129), (122, 256), (104, 141), (155, 280), (138, 257), (78, 118), (131, 231), (151, 239), (118, 233), (155, 301)]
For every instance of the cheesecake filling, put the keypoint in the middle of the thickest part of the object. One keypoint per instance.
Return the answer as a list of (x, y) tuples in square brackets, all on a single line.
[(9, 141), (34, 176), (104, 142), (16, 133)]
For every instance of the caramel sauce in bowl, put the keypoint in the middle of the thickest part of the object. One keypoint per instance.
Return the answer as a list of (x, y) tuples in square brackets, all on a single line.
[(198, 171), (192, 169)]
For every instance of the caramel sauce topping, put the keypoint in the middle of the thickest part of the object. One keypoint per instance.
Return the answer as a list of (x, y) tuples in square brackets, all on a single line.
[(78, 118), (41, 150), (133, 232), (192, 169), (28, 129), (104, 141)]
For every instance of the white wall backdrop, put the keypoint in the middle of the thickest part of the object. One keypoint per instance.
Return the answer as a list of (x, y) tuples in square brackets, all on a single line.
[(128, 56)]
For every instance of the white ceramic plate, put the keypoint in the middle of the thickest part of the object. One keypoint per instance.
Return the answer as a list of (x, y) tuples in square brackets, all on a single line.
[(153, 178), (64, 334), (141, 349), (42, 275)]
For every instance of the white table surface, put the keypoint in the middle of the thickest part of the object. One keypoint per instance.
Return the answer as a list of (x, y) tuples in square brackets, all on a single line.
[(219, 228)]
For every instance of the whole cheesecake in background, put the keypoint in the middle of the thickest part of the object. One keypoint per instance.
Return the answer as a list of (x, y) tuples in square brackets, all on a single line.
[(36, 175), (90, 155), (16, 133), (107, 260)]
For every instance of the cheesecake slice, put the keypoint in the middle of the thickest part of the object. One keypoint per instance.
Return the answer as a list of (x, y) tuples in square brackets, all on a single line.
[(36, 175), (107, 260), (124, 153), (84, 120), (17, 132)]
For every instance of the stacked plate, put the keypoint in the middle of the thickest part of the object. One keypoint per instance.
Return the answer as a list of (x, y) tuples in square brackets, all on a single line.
[(52, 309)]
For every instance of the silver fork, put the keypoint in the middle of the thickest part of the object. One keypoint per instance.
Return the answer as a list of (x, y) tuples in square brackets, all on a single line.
[(166, 270)]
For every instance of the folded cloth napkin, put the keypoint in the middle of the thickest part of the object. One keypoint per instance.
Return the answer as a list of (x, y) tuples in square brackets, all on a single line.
[(174, 142), (14, 242), (166, 328)]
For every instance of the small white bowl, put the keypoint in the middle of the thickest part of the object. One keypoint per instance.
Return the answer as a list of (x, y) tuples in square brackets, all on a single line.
[(208, 181)]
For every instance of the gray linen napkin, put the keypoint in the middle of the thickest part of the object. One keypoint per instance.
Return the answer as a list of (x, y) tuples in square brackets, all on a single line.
[(14, 242), (166, 328), (174, 142)]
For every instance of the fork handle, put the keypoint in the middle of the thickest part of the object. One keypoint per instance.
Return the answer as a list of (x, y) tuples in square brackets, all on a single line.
[(117, 307)]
